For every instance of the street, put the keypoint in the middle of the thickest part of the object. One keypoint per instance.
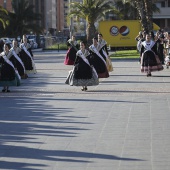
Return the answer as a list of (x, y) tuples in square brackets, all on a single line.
[(121, 124)]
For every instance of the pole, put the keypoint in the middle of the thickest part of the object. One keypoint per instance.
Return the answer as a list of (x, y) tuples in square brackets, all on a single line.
[(71, 21), (5, 4)]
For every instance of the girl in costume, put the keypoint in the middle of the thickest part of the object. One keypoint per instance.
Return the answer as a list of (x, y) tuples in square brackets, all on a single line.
[(8, 71), (97, 60), (104, 52), (15, 50), (83, 73), (160, 47), (71, 53), (149, 60), (27, 56)]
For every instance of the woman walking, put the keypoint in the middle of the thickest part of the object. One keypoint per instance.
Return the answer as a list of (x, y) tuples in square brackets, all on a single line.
[(97, 60), (27, 56), (83, 73), (9, 75), (71, 53), (104, 52), (15, 50), (149, 60)]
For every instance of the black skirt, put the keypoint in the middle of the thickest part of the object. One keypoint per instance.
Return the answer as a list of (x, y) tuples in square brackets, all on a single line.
[(82, 70), (26, 60), (7, 72)]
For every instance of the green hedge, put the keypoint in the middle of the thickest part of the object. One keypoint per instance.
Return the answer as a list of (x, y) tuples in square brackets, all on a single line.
[(57, 46), (125, 54)]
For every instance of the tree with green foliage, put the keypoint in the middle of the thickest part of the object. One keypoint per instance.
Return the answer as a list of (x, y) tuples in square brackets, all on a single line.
[(22, 20), (92, 11), (127, 11), (138, 9), (145, 11)]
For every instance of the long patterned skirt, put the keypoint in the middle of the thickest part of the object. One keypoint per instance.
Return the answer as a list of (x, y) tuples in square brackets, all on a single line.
[(72, 81), (150, 62)]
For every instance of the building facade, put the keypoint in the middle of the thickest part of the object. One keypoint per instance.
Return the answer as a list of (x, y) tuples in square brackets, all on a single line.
[(163, 18), (54, 15), (6, 4), (39, 7)]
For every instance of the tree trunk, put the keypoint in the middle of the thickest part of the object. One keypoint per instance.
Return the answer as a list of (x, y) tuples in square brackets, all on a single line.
[(149, 14), (144, 8), (140, 5), (91, 30)]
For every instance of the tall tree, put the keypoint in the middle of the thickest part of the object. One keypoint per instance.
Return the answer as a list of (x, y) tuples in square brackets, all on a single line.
[(91, 11), (23, 20), (127, 10), (138, 9), (145, 9)]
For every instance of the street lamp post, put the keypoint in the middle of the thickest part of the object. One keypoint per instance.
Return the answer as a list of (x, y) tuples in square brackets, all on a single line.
[(5, 4), (71, 21)]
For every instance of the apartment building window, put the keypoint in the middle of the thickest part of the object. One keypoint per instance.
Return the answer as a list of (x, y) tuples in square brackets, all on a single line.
[(37, 6), (168, 3), (163, 4), (168, 23)]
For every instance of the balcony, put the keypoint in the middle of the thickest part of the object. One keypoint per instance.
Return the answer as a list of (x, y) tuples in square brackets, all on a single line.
[(164, 13)]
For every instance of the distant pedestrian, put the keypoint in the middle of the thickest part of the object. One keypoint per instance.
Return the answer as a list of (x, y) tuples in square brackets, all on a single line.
[(73, 47), (1, 45), (160, 47), (68, 37)]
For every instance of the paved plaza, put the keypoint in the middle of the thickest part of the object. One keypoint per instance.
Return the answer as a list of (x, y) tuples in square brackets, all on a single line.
[(121, 124)]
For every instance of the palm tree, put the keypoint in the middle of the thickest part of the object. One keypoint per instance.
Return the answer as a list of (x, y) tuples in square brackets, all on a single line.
[(22, 20), (127, 10), (91, 11), (137, 9), (145, 10), (150, 8), (3, 16)]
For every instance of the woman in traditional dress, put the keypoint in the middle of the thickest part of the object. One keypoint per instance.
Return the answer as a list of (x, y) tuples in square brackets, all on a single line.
[(104, 52), (167, 44), (1, 46), (9, 75), (160, 48), (83, 73), (97, 60), (27, 57), (149, 60), (140, 38), (19, 64), (71, 53)]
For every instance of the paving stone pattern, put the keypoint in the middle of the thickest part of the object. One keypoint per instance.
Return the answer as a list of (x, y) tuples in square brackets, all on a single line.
[(121, 124)]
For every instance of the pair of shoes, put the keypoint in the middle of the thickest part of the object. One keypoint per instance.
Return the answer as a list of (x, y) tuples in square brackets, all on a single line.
[(26, 76), (149, 75), (3, 90)]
